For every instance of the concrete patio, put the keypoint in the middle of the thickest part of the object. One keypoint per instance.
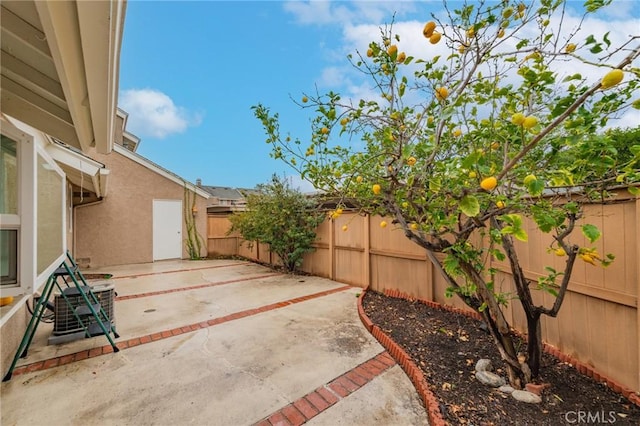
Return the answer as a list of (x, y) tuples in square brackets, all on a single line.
[(216, 342)]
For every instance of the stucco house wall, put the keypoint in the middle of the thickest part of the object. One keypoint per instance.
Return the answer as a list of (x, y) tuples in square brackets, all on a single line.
[(119, 229)]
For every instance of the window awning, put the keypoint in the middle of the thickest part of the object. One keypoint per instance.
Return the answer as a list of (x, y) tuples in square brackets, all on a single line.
[(82, 171)]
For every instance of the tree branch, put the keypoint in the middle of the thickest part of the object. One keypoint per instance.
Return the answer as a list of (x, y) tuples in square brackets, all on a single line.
[(562, 117)]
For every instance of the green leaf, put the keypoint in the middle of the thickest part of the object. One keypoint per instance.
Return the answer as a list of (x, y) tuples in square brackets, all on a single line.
[(508, 230), (512, 219), (545, 221), (591, 232), (535, 187), (552, 291), (451, 265), (634, 190), (521, 235), (470, 206)]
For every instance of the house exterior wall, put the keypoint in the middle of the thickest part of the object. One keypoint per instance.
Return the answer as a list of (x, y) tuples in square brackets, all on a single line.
[(118, 230), (11, 334)]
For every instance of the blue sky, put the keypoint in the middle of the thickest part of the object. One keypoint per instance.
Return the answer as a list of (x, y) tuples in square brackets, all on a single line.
[(191, 70)]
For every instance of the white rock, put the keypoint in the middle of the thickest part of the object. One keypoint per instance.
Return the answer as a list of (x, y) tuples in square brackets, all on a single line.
[(484, 364), (528, 397), (506, 389), (489, 379)]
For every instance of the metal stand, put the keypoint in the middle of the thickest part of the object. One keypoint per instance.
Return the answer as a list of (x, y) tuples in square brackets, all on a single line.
[(69, 274)]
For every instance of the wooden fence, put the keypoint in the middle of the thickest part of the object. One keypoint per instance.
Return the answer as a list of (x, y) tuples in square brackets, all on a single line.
[(598, 324)]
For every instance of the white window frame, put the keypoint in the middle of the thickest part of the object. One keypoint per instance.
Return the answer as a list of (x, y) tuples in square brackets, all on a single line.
[(29, 146), (25, 156)]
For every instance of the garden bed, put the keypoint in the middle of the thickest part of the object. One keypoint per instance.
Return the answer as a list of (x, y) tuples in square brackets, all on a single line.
[(446, 346)]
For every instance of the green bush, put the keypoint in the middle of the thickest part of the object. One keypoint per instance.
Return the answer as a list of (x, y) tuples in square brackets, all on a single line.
[(282, 217)]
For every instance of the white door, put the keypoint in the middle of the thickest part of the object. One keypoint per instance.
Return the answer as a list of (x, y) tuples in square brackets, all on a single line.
[(167, 229)]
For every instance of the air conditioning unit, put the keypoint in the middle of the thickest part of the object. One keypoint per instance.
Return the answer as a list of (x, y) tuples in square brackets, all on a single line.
[(66, 326)]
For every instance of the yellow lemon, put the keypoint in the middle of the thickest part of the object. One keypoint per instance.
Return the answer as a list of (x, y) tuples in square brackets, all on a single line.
[(472, 175), (529, 122), (414, 226), (383, 224), (529, 179), (405, 204), (345, 227), (506, 14), (427, 31), (587, 258), (612, 78), (462, 48), (488, 184), (495, 145), (500, 204), (387, 42), (411, 161), (435, 37), (560, 252), (501, 33), (376, 189), (359, 179), (471, 32), (392, 50), (570, 48), (442, 93), (344, 121), (305, 99), (401, 57), (518, 118), (369, 53), (522, 7), (324, 130)]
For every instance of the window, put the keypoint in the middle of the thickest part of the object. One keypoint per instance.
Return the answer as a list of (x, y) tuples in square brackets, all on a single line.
[(8, 257), (9, 212), (9, 178)]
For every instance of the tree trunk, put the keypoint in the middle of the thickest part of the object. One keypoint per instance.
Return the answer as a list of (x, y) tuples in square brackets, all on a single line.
[(534, 343), (517, 369), (507, 350)]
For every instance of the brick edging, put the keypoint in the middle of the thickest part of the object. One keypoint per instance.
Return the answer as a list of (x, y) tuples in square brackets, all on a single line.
[(171, 271), (583, 368), (410, 368), (307, 407)]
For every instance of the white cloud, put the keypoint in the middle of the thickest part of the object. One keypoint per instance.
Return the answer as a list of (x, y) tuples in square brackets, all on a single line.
[(325, 12), (302, 185), (153, 113)]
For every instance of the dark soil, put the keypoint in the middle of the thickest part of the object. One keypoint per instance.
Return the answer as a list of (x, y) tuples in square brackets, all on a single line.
[(446, 346)]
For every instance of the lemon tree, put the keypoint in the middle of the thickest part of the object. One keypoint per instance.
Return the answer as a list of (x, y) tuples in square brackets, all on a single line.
[(282, 217), (470, 144)]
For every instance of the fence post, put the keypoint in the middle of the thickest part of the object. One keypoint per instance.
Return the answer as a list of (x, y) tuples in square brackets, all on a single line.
[(332, 247), (638, 284), (367, 251)]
